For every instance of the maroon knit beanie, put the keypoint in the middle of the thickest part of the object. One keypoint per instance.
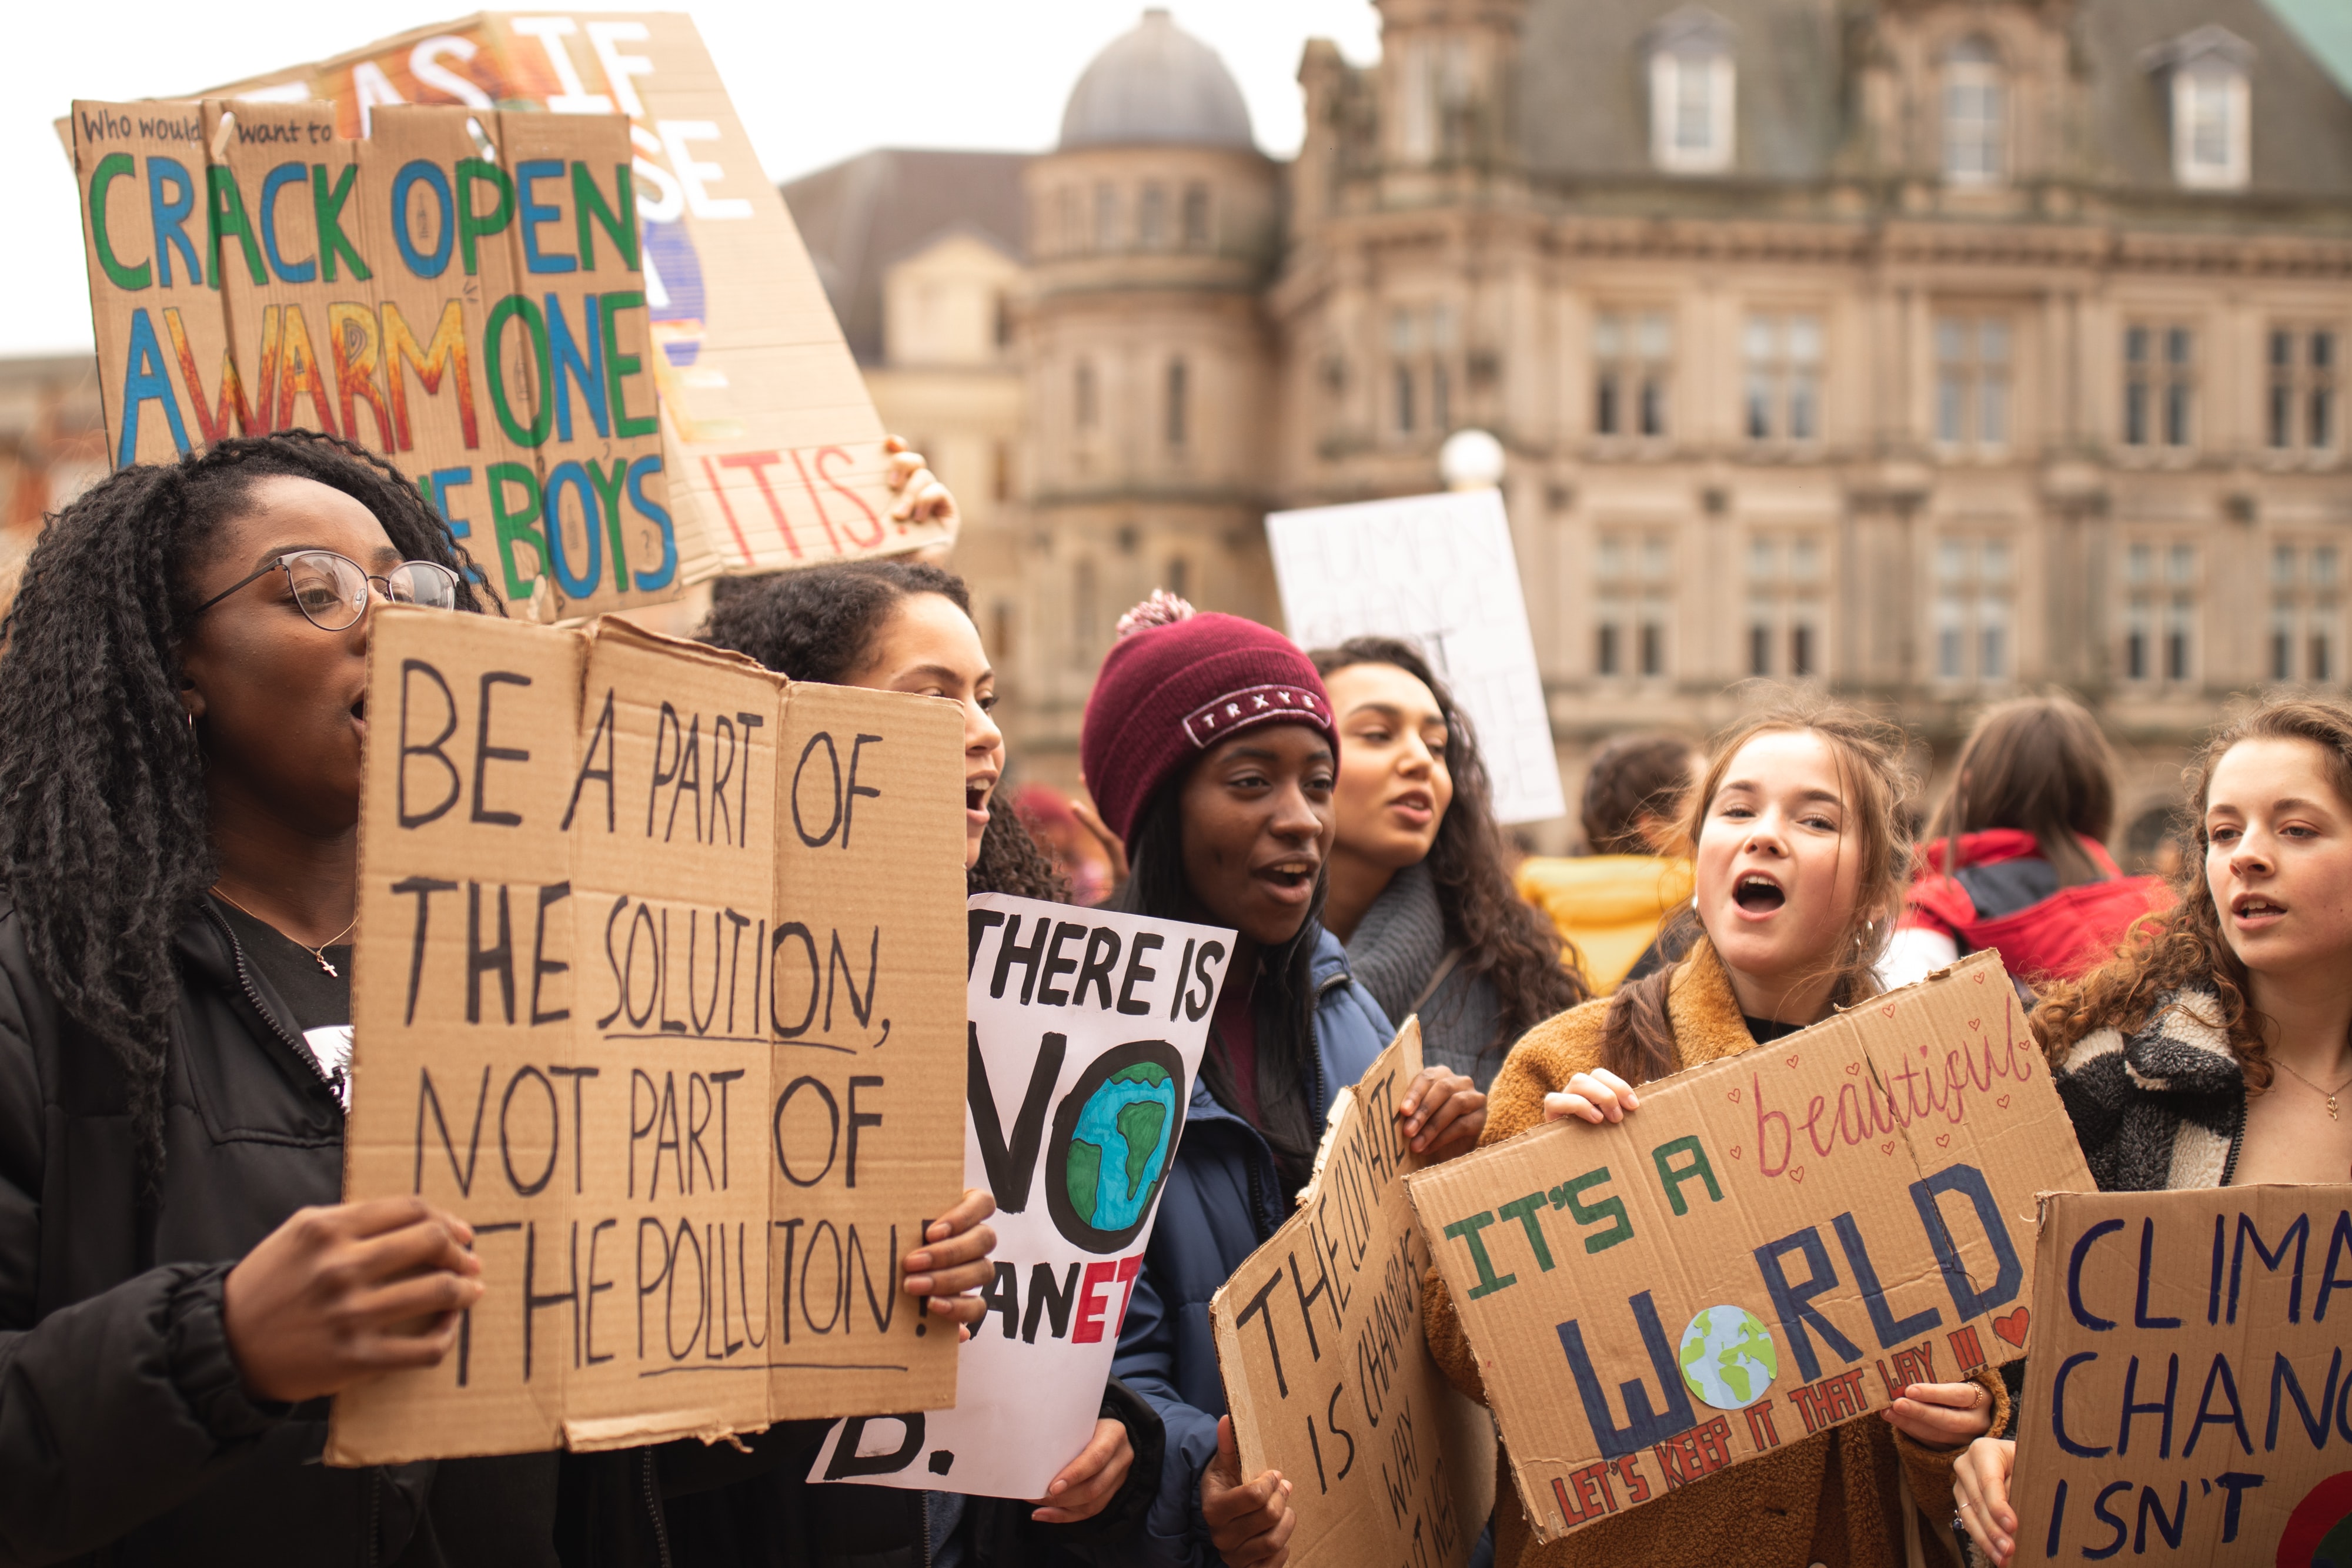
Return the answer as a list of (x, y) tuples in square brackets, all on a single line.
[(1177, 682)]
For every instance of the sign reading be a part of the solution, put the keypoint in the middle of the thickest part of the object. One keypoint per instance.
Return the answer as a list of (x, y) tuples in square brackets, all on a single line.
[(1771, 1246), (656, 987), (2187, 1400), (1326, 1367), (1084, 1039)]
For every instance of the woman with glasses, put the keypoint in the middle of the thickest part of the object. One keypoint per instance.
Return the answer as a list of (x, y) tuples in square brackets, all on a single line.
[(182, 700)]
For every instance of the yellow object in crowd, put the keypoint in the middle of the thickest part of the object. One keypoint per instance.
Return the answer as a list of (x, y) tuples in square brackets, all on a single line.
[(1609, 906)]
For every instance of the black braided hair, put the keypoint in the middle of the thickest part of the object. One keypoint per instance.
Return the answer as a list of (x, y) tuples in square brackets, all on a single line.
[(817, 623), (105, 842)]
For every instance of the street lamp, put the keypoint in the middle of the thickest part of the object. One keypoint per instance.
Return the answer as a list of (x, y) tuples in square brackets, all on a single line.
[(1471, 459)]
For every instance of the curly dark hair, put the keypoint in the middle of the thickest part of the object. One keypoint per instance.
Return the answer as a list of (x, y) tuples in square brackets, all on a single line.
[(1535, 973), (105, 841), (2184, 947), (817, 624), (1632, 778)]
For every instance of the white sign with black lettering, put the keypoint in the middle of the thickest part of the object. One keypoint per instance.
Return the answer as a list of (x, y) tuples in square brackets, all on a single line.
[(1438, 571), (1087, 1029)]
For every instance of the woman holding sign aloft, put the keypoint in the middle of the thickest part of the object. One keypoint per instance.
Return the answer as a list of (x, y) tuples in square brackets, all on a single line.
[(1209, 749), (2216, 1049), (1800, 867), (182, 690)]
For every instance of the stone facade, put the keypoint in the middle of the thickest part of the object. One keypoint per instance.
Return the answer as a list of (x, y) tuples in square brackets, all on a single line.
[(1930, 351)]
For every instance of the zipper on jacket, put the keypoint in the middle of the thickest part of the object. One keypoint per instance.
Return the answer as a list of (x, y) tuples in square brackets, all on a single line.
[(253, 995), (2237, 1141), (653, 1508), (375, 1508), (926, 1498)]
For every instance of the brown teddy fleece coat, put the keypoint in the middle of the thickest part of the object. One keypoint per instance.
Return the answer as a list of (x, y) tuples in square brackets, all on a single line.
[(1830, 1498)]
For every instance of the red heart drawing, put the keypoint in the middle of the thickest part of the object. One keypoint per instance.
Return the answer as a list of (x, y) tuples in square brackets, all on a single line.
[(1734, 1096), (1796, 1173), (1887, 1147), (1852, 1067), (1980, 976), (2012, 1327), (1888, 1009), (1976, 1023), (1943, 1140), (1793, 1061), (2002, 1101), (1734, 1151)]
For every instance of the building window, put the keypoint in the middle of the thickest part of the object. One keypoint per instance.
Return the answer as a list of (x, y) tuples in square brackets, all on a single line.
[(1074, 233), (1785, 573), (1084, 401), (2206, 75), (2160, 613), (1001, 470), (1632, 354), (2302, 411), (1196, 216), (1974, 611), (1974, 112), (1086, 613), (1002, 615), (1972, 382), (1633, 578), (1152, 218), (2306, 620), (1107, 217), (1179, 396), (1002, 324), (1693, 87), (1421, 344), (1178, 579), (1784, 372), (2159, 385), (1434, 80)]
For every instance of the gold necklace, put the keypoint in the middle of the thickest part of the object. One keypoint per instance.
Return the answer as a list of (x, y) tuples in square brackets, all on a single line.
[(2315, 1089), (320, 952)]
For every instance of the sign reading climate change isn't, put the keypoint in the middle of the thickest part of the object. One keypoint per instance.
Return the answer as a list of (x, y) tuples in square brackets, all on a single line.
[(656, 987), (1084, 1042), (462, 293), (2188, 1399), (1771, 1246)]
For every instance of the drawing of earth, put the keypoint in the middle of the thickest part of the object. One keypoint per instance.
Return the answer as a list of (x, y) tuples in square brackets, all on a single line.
[(1114, 1135), (1728, 1358)]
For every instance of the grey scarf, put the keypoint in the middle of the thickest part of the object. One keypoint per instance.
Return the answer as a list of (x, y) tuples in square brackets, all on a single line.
[(1396, 948)]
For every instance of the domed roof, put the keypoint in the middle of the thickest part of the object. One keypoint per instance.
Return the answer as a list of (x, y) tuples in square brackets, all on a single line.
[(1156, 84)]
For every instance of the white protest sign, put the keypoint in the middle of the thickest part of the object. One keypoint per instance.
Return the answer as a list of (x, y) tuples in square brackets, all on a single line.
[(1086, 1033), (1438, 571)]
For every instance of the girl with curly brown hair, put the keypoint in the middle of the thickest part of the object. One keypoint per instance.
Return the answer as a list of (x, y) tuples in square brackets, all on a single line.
[(2216, 1048), (1419, 896)]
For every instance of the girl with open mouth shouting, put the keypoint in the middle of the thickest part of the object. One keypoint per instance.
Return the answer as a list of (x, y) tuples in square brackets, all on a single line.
[(1800, 863)]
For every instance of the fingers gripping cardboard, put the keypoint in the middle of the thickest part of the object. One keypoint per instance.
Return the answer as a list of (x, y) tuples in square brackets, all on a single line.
[(1771, 1246), (657, 986), (1326, 1370)]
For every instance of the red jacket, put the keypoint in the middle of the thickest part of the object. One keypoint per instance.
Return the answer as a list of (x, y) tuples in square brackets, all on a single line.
[(2005, 895)]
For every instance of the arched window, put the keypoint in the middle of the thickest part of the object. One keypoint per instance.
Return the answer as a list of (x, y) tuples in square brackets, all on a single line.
[(1692, 92), (1975, 115)]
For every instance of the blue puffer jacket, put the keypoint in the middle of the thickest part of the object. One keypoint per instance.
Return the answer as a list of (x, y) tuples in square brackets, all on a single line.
[(1222, 1198)]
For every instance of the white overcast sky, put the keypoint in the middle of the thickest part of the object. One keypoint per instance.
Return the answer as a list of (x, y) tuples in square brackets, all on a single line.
[(814, 81)]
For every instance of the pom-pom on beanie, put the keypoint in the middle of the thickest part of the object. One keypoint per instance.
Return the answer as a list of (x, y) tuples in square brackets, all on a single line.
[(1177, 682)]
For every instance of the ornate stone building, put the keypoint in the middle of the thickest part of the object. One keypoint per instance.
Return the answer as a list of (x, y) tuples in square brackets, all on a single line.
[(1930, 350)]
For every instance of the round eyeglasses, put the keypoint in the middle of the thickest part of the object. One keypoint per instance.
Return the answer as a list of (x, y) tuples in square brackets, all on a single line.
[(332, 591)]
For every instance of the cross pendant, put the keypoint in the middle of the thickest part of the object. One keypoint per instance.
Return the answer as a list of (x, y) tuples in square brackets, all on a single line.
[(332, 970)]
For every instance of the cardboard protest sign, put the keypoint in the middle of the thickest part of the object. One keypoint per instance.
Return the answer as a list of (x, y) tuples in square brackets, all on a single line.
[(2188, 1394), (1439, 570), (655, 986), (1772, 1244), (460, 292), (773, 450), (1084, 1041), (1326, 1373)]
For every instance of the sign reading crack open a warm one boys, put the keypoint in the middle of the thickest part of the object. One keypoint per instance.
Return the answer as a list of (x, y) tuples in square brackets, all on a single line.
[(1772, 1244), (658, 985)]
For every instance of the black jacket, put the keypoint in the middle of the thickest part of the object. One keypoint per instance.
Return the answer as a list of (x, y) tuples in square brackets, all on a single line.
[(125, 1435)]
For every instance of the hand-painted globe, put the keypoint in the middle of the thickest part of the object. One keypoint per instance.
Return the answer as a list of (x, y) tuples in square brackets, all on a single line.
[(1118, 1149), (1728, 1358)]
